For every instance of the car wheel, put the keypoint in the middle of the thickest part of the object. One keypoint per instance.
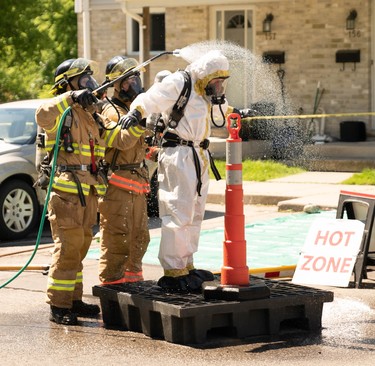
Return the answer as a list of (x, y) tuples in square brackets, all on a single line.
[(19, 210), (152, 197)]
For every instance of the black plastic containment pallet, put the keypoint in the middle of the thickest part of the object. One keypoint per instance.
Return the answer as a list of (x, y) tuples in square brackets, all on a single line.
[(187, 318)]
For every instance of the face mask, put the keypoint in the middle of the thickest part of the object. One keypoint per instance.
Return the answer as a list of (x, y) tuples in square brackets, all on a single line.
[(130, 88), (86, 81), (216, 90)]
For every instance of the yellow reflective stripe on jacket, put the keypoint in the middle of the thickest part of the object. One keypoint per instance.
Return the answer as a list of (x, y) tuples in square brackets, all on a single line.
[(101, 189), (61, 285), (110, 135), (50, 144), (136, 131), (84, 150), (129, 184), (99, 151), (62, 105), (55, 127), (71, 187)]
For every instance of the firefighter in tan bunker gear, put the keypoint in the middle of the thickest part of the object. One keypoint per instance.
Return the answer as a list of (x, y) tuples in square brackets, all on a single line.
[(123, 210), (73, 203)]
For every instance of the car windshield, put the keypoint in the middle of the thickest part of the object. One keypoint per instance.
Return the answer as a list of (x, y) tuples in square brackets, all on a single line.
[(17, 125)]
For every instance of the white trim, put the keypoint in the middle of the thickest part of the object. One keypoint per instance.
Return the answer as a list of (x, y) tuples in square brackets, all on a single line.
[(86, 30), (212, 34), (129, 33), (237, 6), (180, 3)]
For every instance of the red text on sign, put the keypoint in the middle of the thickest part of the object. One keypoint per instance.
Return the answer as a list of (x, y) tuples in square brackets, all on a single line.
[(335, 238), (323, 264)]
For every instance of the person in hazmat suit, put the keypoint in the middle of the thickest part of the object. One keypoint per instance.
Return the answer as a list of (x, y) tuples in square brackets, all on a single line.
[(123, 210), (183, 163), (77, 183)]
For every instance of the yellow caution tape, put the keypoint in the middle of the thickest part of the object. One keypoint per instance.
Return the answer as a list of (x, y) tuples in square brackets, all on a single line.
[(304, 116)]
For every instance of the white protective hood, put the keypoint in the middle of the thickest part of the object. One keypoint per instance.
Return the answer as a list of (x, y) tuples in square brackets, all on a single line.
[(160, 98)]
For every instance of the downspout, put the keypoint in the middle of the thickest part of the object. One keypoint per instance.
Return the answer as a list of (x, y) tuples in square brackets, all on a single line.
[(139, 20), (82, 7)]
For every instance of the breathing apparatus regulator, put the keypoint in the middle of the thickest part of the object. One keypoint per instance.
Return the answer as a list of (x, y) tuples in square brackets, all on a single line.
[(215, 90)]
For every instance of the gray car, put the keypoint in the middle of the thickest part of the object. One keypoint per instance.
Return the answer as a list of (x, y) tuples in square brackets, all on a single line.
[(20, 203)]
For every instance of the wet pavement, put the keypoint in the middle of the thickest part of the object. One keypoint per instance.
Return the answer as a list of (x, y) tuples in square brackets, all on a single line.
[(27, 337)]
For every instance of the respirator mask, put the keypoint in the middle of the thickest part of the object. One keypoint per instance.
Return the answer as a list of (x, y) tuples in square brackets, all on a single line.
[(130, 88), (86, 81), (215, 91)]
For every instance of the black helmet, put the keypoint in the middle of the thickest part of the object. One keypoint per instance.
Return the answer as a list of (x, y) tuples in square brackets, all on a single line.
[(119, 65), (70, 68), (130, 86)]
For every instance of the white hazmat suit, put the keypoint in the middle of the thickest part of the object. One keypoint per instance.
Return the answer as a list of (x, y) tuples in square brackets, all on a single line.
[(181, 207)]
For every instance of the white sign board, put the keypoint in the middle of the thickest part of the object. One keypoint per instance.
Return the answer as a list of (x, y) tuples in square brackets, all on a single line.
[(329, 253)]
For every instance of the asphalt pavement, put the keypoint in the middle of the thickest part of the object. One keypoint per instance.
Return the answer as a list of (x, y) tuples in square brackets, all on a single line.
[(347, 337)]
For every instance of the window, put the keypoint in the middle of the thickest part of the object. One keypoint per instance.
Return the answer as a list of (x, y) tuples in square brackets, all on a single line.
[(235, 25), (157, 33)]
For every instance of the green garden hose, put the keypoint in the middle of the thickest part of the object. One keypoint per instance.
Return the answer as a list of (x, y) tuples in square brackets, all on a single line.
[(41, 225)]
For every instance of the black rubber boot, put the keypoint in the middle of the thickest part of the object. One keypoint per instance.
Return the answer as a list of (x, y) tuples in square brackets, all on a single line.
[(173, 284), (62, 316), (85, 310), (180, 284), (203, 274)]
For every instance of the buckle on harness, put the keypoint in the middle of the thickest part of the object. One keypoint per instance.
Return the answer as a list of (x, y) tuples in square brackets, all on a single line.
[(205, 144), (63, 168), (184, 142)]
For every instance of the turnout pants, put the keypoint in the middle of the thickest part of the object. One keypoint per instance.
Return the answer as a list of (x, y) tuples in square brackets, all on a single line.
[(71, 227), (124, 233)]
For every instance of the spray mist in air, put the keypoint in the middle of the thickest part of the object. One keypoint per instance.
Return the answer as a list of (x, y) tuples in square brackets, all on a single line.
[(258, 85)]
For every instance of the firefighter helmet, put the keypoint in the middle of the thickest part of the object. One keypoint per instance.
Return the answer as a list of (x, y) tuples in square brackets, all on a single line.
[(127, 88), (119, 65), (69, 69)]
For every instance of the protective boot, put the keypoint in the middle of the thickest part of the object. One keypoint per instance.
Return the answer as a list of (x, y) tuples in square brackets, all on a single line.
[(85, 310), (180, 284), (62, 316), (203, 274)]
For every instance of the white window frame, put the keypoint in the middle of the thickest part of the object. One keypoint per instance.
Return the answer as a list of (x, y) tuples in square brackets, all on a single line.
[(213, 36), (129, 31), (224, 8)]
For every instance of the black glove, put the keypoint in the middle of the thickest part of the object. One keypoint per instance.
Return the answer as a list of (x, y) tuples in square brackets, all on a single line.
[(133, 118), (246, 112), (84, 97)]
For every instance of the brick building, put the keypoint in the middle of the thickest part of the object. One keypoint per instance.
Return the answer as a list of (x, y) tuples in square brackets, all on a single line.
[(309, 42)]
